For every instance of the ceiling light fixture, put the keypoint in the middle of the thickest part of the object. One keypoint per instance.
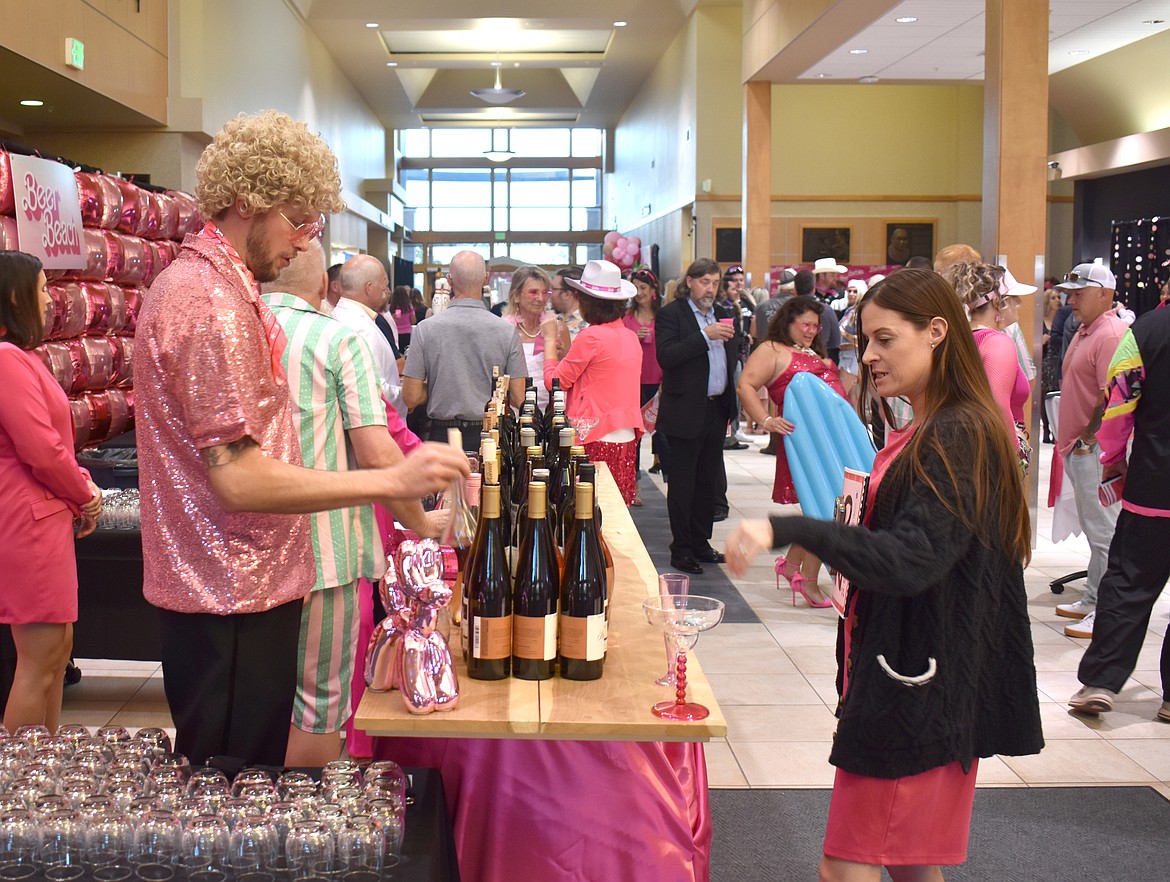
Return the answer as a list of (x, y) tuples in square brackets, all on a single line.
[(858, 51), (906, 19), (498, 155), (498, 94), (391, 64), (32, 102), (620, 24), (371, 24), (869, 81), (1078, 52)]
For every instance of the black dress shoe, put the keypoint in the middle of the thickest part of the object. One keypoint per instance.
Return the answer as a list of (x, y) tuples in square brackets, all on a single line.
[(710, 556), (655, 469), (686, 565), (734, 445)]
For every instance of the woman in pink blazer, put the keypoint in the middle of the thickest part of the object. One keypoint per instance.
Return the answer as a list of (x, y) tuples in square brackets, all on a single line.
[(45, 493), (601, 373)]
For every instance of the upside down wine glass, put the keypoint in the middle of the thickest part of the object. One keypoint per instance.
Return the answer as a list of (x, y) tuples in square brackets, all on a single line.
[(583, 426), (682, 619)]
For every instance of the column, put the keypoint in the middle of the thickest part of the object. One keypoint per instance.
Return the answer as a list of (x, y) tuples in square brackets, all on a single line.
[(757, 180), (1015, 152)]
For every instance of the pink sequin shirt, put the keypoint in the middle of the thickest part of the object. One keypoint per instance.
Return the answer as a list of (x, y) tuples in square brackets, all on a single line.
[(203, 377)]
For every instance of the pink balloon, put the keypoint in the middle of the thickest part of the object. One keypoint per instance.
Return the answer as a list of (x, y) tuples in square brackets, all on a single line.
[(611, 237), (607, 250), (635, 243), (619, 256), (622, 242)]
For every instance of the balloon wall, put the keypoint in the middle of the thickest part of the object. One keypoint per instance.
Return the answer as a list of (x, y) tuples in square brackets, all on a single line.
[(130, 236), (625, 251)]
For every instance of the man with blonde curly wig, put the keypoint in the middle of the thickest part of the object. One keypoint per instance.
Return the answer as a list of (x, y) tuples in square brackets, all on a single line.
[(227, 550)]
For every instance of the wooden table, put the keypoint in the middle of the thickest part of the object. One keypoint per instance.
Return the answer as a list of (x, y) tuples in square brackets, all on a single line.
[(613, 708)]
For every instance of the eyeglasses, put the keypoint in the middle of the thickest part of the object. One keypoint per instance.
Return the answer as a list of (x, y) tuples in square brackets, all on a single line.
[(305, 232), (1074, 276)]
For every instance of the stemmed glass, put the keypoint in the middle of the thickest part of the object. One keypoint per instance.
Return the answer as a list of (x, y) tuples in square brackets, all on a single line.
[(583, 426), (671, 585), (682, 619)]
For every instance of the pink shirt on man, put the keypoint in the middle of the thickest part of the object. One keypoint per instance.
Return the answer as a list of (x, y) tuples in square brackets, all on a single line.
[(203, 377), (1085, 373)]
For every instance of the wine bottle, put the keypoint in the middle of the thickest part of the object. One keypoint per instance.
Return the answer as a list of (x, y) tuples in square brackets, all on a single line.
[(536, 595), (489, 591), (583, 628)]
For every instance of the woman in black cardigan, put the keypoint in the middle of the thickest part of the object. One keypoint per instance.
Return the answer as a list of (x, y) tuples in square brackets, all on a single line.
[(935, 652)]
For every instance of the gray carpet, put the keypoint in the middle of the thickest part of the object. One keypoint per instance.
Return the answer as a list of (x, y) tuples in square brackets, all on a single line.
[(654, 527), (1035, 834)]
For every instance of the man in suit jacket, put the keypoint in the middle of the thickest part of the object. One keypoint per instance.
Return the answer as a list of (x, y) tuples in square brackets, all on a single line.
[(698, 352)]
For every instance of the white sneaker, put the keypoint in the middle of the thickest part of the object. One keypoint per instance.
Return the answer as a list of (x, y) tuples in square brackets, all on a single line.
[(743, 436), (1078, 609), (1083, 628), (1093, 700)]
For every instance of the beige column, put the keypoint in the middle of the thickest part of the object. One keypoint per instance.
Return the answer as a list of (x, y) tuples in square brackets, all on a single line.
[(757, 179), (1015, 152)]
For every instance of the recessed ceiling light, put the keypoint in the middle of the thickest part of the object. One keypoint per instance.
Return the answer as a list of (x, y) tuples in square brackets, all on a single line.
[(822, 76), (32, 102), (620, 24), (515, 64), (371, 24), (496, 64), (1078, 52), (391, 64), (906, 19), (858, 51), (869, 81), (1154, 21)]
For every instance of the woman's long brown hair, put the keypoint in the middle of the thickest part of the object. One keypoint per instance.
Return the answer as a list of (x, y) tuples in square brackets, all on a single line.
[(996, 510)]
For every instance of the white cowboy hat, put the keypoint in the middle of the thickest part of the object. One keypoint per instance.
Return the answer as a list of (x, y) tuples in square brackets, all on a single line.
[(603, 279), (1009, 287), (828, 265)]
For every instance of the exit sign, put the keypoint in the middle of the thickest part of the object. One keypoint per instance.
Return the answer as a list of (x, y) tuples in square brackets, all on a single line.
[(74, 54)]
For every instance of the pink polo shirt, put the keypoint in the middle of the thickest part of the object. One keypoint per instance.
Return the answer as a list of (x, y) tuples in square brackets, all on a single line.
[(1086, 371)]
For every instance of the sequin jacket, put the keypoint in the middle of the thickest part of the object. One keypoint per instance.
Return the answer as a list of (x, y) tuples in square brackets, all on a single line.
[(203, 377), (927, 589)]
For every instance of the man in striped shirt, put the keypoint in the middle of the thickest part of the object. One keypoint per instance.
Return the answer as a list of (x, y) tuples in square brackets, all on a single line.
[(340, 418)]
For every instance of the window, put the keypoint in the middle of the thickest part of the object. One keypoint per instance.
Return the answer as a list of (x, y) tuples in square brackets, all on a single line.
[(452, 192)]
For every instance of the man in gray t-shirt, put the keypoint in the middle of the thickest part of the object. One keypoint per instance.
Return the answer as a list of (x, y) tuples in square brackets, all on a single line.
[(451, 356)]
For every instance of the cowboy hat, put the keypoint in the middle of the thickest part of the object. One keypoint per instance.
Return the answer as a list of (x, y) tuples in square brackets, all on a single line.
[(603, 279)]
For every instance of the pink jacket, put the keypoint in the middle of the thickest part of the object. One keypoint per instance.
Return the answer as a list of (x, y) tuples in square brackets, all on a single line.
[(41, 483), (601, 374)]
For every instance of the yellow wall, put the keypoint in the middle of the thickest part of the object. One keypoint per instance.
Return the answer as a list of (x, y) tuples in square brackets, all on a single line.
[(877, 140)]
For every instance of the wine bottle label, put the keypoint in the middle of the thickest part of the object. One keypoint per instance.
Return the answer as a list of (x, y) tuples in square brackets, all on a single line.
[(583, 637), (492, 637), (534, 637)]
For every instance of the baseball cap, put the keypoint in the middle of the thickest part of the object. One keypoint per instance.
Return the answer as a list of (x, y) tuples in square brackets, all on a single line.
[(1084, 275), (1009, 287), (786, 279)]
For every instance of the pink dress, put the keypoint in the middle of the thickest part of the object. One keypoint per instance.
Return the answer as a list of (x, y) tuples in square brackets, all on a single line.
[(922, 819), (783, 490)]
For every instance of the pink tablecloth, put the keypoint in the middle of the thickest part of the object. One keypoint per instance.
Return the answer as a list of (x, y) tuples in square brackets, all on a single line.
[(570, 811)]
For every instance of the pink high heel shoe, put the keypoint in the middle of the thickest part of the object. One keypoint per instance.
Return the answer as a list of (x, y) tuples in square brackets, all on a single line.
[(796, 582)]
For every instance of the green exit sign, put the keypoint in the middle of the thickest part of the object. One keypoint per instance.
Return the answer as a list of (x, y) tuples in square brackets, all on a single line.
[(74, 54), (500, 237)]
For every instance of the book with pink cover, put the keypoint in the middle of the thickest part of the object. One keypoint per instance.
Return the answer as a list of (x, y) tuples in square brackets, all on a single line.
[(849, 509)]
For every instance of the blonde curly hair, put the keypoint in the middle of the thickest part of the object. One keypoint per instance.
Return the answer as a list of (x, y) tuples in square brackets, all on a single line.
[(266, 160), (977, 284)]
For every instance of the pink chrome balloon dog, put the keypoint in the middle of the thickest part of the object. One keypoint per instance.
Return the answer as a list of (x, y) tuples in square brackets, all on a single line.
[(405, 650)]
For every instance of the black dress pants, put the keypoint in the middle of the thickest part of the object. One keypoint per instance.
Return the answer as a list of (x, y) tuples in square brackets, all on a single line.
[(1138, 568), (697, 478), (230, 680)]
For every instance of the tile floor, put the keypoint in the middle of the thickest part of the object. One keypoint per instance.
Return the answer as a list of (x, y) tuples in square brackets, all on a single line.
[(774, 680)]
